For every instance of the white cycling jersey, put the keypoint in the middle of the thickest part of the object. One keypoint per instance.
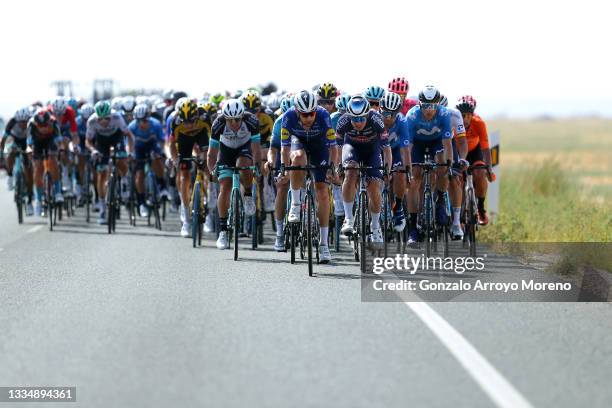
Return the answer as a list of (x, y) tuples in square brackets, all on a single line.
[(456, 121), (95, 128)]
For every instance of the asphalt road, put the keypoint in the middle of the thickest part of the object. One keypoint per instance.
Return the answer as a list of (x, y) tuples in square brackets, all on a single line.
[(141, 319)]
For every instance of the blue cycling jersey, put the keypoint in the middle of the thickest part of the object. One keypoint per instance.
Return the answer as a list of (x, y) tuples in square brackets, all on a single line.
[(276, 132), (153, 132), (421, 130), (398, 133), (169, 121), (321, 128), (334, 119), (81, 127)]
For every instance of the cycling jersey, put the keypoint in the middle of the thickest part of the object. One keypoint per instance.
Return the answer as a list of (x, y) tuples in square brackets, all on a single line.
[(315, 141), (335, 116), (81, 130), (407, 105), (116, 124), (457, 122), (477, 134), (321, 129), (266, 123), (18, 135), (153, 133), (372, 136), (428, 134), (168, 124), (222, 134), (43, 140), (398, 139), (275, 143), (67, 122)]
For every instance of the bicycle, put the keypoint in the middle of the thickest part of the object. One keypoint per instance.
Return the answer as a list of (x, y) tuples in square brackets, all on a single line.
[(469, 209), (21, 192), (308, 214), (197, 202), (49, 204), (427, 222), (113, 205), (401, 237), (236, 214), (361, 227), (86, 193), (153, 200)]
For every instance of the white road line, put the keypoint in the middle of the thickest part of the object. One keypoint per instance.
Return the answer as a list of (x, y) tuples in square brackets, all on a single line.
[(34, 229), (490, 380)]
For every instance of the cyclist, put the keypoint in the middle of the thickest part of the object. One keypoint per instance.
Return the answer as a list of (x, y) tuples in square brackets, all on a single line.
[(252, 104), (128, 103), (188, 133), (459, 152), (84, 114), (397, 130), (478, 152), (282, 182), (43, 134), (106, 129), (400, 86), (208, 112), (326, 96), (429, 127), (235, 143), (306, 130), (66, 118), (14, 140), (341, 104), (148, 137), (374, 94), (365, 139)]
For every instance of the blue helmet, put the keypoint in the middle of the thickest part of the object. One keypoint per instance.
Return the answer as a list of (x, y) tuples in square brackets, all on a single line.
[(374, 93), (342, 102), (286, 103), (358, 106)]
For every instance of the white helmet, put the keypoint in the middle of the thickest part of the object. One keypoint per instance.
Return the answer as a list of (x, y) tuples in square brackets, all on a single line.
[(129, 103), (179, 103), (87, 110), (59, 105), (233, 108), (358, 106), (305, 101), (391, 101), (429, 94), (117, 103), (22, 115), (141, 99), (141, 111)]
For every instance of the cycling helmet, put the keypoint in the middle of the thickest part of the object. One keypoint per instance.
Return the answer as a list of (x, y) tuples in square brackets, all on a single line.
[(73, 103), (217, 99), (87, 110), (286, 103), (141, 111), (342, 102), (59, 105), (327, 91), (251, 100), (443, 101), (178, 95), (180, 103), (374, 93), (391, 101), (188, 110), (273, 102), (117, 103), (42, 116), (103, 109), (429, 94), (209, 108), (129, 103), (167, 94), (466, 104), (233, 108), (399, 86), (358, 106), (305, 102), (22, 115)]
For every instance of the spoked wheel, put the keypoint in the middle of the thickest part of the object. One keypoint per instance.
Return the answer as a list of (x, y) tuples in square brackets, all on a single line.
[(236, 215), (386, 213), (309, 231), (195, 214), (87, 193), (50, 204), (110, 193), (446, 235), (363, 208), (19, 183), (338, 232), (293, 228)]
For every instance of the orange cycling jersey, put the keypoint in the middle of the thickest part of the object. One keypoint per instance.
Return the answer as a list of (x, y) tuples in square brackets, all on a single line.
[(477, 133)]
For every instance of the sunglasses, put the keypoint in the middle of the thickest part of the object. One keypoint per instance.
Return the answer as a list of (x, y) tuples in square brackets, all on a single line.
[(234, 119), (388, 114), (307, 115), (326, 101), (143, 120), (358, 119), (429, 106), (374, 103)]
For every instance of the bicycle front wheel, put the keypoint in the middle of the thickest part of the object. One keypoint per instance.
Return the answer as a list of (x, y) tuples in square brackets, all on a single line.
[(195, 213), (236, 215)]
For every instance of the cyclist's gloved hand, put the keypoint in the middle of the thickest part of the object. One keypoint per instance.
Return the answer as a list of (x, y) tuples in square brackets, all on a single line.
[(464, 164), (96, 154)]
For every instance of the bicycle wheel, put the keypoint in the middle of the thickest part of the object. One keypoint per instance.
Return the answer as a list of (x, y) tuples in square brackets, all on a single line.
[(110, 210), (236, 215), (293, 228), (19, 192), (355, 235), (363, 209), (87, 192), (338, 220), (132, 205), (50, 199), (309, 230), (195, 213), (386, 223), (428, 208)]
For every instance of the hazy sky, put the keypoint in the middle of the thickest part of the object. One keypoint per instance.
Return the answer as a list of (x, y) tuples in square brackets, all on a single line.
[(516, 57)]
